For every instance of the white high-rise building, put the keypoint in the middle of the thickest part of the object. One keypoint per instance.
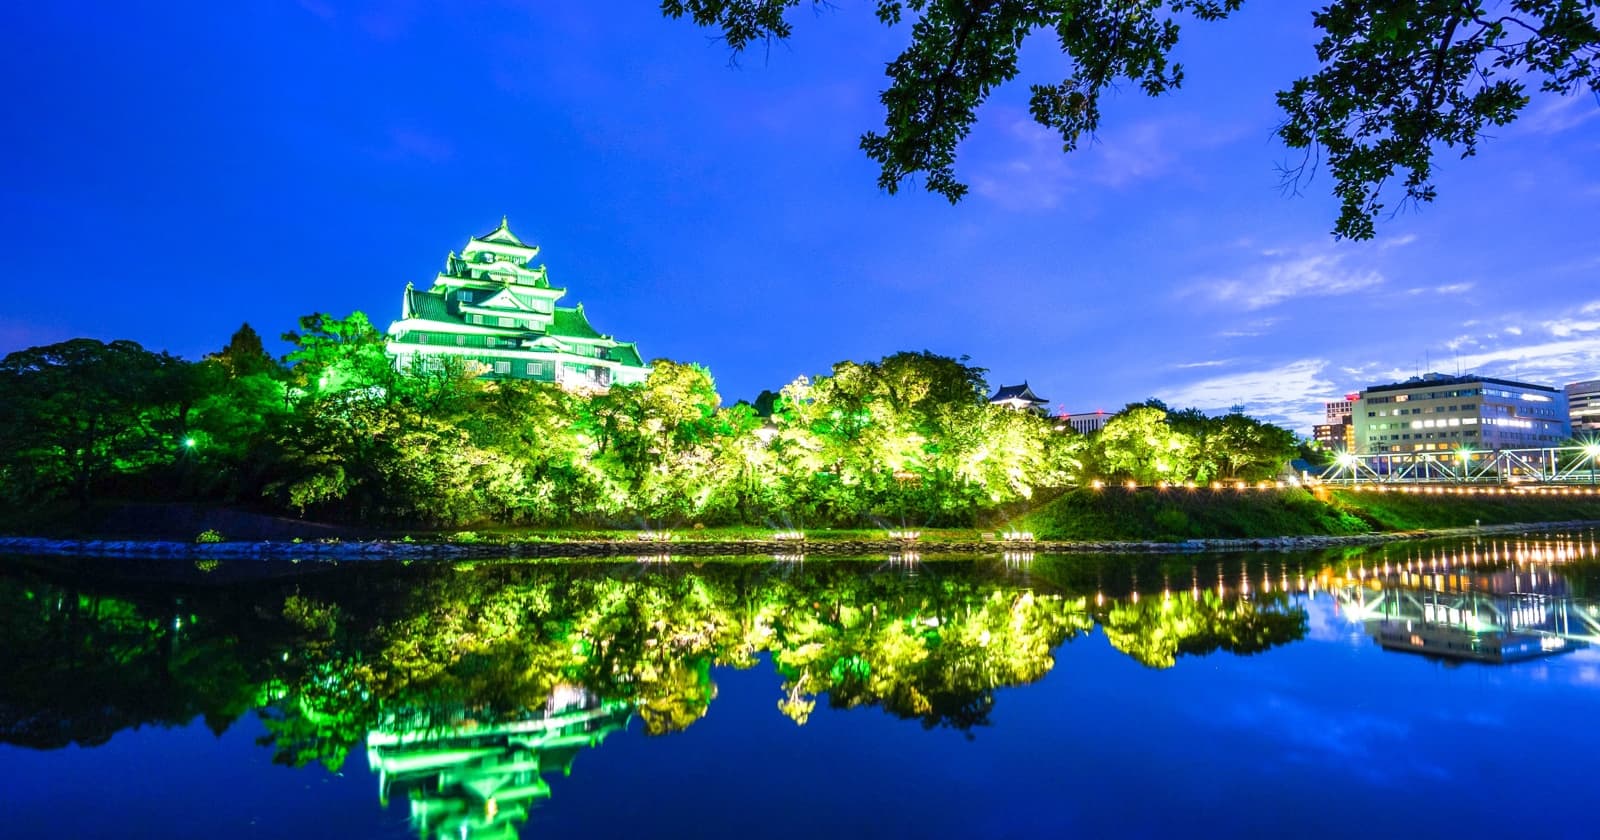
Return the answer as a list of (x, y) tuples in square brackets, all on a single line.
[(1435, 412)]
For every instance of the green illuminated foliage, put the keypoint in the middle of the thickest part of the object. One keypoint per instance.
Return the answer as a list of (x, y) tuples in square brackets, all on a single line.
[(1156, 631), (333, 355)]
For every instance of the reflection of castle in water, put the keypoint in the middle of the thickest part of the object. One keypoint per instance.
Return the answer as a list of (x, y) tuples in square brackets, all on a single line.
[(1472, 606), (467, 778)]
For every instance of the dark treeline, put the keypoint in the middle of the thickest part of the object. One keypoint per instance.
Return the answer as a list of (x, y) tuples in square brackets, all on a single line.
[(335, 431)]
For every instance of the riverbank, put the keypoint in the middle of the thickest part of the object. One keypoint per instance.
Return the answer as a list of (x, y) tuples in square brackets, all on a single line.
[(665, 550), (1180, 514), (1088, 520)]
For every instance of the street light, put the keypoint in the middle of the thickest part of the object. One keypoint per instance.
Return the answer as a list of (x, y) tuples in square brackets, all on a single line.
[(1593, 451)]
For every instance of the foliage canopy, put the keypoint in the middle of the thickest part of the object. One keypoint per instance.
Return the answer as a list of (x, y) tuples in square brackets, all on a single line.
[(1398, 80)]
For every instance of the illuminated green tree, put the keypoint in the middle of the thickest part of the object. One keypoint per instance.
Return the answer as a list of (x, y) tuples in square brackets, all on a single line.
[(1139, 444), (331, 355)]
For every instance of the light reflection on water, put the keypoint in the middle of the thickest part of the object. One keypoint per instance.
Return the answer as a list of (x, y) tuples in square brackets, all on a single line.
[(469, 692)]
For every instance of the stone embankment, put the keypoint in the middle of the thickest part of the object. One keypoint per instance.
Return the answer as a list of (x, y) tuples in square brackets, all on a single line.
[(333, 550)]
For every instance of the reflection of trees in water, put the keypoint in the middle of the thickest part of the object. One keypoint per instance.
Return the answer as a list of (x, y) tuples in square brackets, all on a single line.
[(1156, 631), (326, 660)]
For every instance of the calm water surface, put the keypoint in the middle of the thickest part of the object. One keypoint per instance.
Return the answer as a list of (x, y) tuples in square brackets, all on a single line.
[(1429, 690)]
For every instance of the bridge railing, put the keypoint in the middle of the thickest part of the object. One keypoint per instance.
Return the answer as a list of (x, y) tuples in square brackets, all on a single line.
[(1554, 465)]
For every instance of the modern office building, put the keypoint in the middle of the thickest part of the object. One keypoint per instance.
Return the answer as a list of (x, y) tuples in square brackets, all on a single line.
[(495, 311), (1583, 407), (1338, 432), (1435, 412)]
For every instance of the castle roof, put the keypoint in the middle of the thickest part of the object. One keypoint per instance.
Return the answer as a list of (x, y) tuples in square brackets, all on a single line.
[(1021, 393), (502, 235)]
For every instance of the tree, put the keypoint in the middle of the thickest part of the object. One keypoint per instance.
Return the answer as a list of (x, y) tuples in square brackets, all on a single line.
[(338, 354), (1398, 79), (245, 355), (1139, 444), (79, 410)]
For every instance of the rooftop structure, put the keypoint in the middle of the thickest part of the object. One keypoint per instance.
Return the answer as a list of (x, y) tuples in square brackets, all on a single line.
[(493, 310)]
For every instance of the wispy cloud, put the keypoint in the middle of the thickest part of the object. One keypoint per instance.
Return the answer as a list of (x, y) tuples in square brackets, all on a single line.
[(1397, 241), (1290, 393), (1032, 173), (1565, 348), (1446, 289), (1560, 113), (1206, 364), (1291, 276), (1585, 320), (1250, 329)]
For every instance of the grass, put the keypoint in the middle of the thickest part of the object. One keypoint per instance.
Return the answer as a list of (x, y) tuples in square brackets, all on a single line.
[(1394, 511), (1114, 513)]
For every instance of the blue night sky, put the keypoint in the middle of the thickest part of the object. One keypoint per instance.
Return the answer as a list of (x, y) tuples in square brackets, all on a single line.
[(184, 167)]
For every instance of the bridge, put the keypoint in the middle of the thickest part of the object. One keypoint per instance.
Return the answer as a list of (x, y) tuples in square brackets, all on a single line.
[(1499, 602), (1558, 466)]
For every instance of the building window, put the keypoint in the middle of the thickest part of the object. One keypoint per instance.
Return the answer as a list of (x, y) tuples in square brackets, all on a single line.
[(422, 338), (502, 367), (535, 368), (461, 341)]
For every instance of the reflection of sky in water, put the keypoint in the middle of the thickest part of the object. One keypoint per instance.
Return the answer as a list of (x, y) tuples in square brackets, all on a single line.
[(1311, 739)]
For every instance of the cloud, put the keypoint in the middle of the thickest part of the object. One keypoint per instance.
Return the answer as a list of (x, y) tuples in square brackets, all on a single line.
[(1397, 241), (1447, 289), (1250, 329), (1560, 113), (1031, 172), (1584, 320), (1290, 277), (1205, 364), (1290, 393), (1552, 363)]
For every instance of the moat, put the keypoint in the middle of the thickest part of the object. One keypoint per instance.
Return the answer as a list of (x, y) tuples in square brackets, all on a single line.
[(1012, 694)]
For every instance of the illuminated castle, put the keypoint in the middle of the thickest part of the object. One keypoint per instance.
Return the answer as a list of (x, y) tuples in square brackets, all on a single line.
[(492, 310)]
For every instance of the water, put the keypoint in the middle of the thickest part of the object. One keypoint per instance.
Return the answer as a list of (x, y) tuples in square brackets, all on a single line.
[(1433, 689)]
